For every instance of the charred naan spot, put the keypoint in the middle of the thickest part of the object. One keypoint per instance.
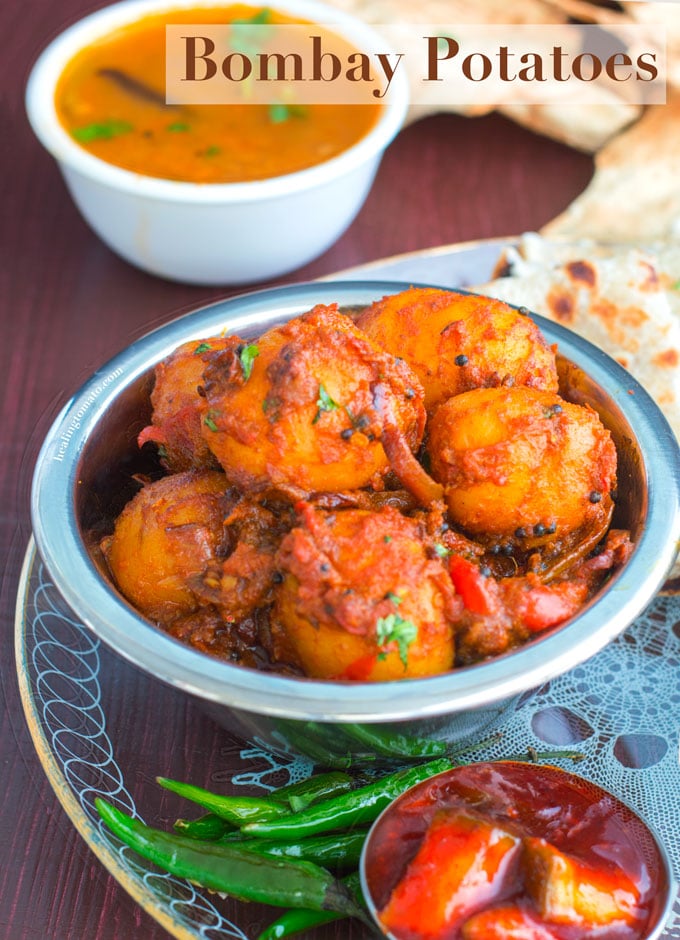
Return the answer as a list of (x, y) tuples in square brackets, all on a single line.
[(583, 272), (668, 359), (561, 305), (503, 268), (621, 323)]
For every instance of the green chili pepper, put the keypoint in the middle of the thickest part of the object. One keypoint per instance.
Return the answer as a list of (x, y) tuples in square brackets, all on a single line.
[(318, 787), (234, 870), (297, 796), (316, 751), (332, 737), (395, 745), (207, 828), (356, 808), (324, 744), (297, 921), (336, 850), (235, 809)]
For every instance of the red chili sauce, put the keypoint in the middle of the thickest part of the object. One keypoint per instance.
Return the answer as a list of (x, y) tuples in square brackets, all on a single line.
[(512, 851)]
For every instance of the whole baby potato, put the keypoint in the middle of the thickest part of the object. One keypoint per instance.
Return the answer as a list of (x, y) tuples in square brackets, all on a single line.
[(364, 596), (166, 536), (517, 462), (455, 342), (299, 406), (177, 406)]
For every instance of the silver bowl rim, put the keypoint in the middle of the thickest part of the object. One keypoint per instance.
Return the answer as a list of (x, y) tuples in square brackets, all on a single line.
[(671, 882), (482, 685)]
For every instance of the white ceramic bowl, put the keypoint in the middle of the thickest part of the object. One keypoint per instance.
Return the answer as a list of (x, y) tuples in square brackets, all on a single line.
[(212, 233)]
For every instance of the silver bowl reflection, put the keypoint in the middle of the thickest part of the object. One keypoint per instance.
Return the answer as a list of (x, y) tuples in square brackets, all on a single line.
[(83, 478)]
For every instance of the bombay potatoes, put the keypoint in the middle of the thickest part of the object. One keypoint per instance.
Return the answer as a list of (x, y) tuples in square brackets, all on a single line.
[(177, 408), (316, 518)]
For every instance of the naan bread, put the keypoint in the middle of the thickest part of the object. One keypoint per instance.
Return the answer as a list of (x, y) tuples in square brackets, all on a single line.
[(624, 300), (584, 127), (651, 14), (634, 196)]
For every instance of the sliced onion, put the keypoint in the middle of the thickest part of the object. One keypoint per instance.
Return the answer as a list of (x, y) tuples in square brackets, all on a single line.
[(581, 549), (402, 460)]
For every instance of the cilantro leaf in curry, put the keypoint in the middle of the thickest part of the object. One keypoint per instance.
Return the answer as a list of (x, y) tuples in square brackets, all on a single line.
[(100, 130), (395, 629), (324, 403), (246, 357)]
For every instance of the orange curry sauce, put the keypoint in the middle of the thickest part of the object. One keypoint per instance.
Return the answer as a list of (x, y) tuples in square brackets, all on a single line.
[(111, 99)]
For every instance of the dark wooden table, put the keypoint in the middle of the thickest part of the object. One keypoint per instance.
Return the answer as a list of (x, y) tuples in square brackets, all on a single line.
[(67, 304)]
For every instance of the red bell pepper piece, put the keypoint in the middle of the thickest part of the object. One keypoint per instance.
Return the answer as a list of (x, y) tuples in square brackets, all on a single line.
[(474, 589)]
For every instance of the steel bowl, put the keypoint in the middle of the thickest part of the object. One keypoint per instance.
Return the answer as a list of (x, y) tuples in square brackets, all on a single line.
[(403, 823), (83, 478)]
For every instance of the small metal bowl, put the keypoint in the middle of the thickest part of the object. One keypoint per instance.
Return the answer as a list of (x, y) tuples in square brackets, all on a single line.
[(83, 479), (537, 792)]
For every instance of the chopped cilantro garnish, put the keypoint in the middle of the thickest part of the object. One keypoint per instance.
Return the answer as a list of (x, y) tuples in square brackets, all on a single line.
[(395, 629), (201, 348), (212, 151), (387, 538), (262, 16), (676, 286), (246, 357), (103, 130), (393, 597), (209, 422), (324, 403), (441, 550), (247, 40), (278, 113), (178, 127)]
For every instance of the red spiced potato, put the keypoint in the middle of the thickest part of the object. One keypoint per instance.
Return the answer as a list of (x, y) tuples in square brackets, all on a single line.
[(519, 464), (455, 342), (297, 407), (364, 596), (166, 536)]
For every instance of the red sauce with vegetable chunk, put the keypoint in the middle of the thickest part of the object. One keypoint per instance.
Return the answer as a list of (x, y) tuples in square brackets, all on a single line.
[(513, 851)]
